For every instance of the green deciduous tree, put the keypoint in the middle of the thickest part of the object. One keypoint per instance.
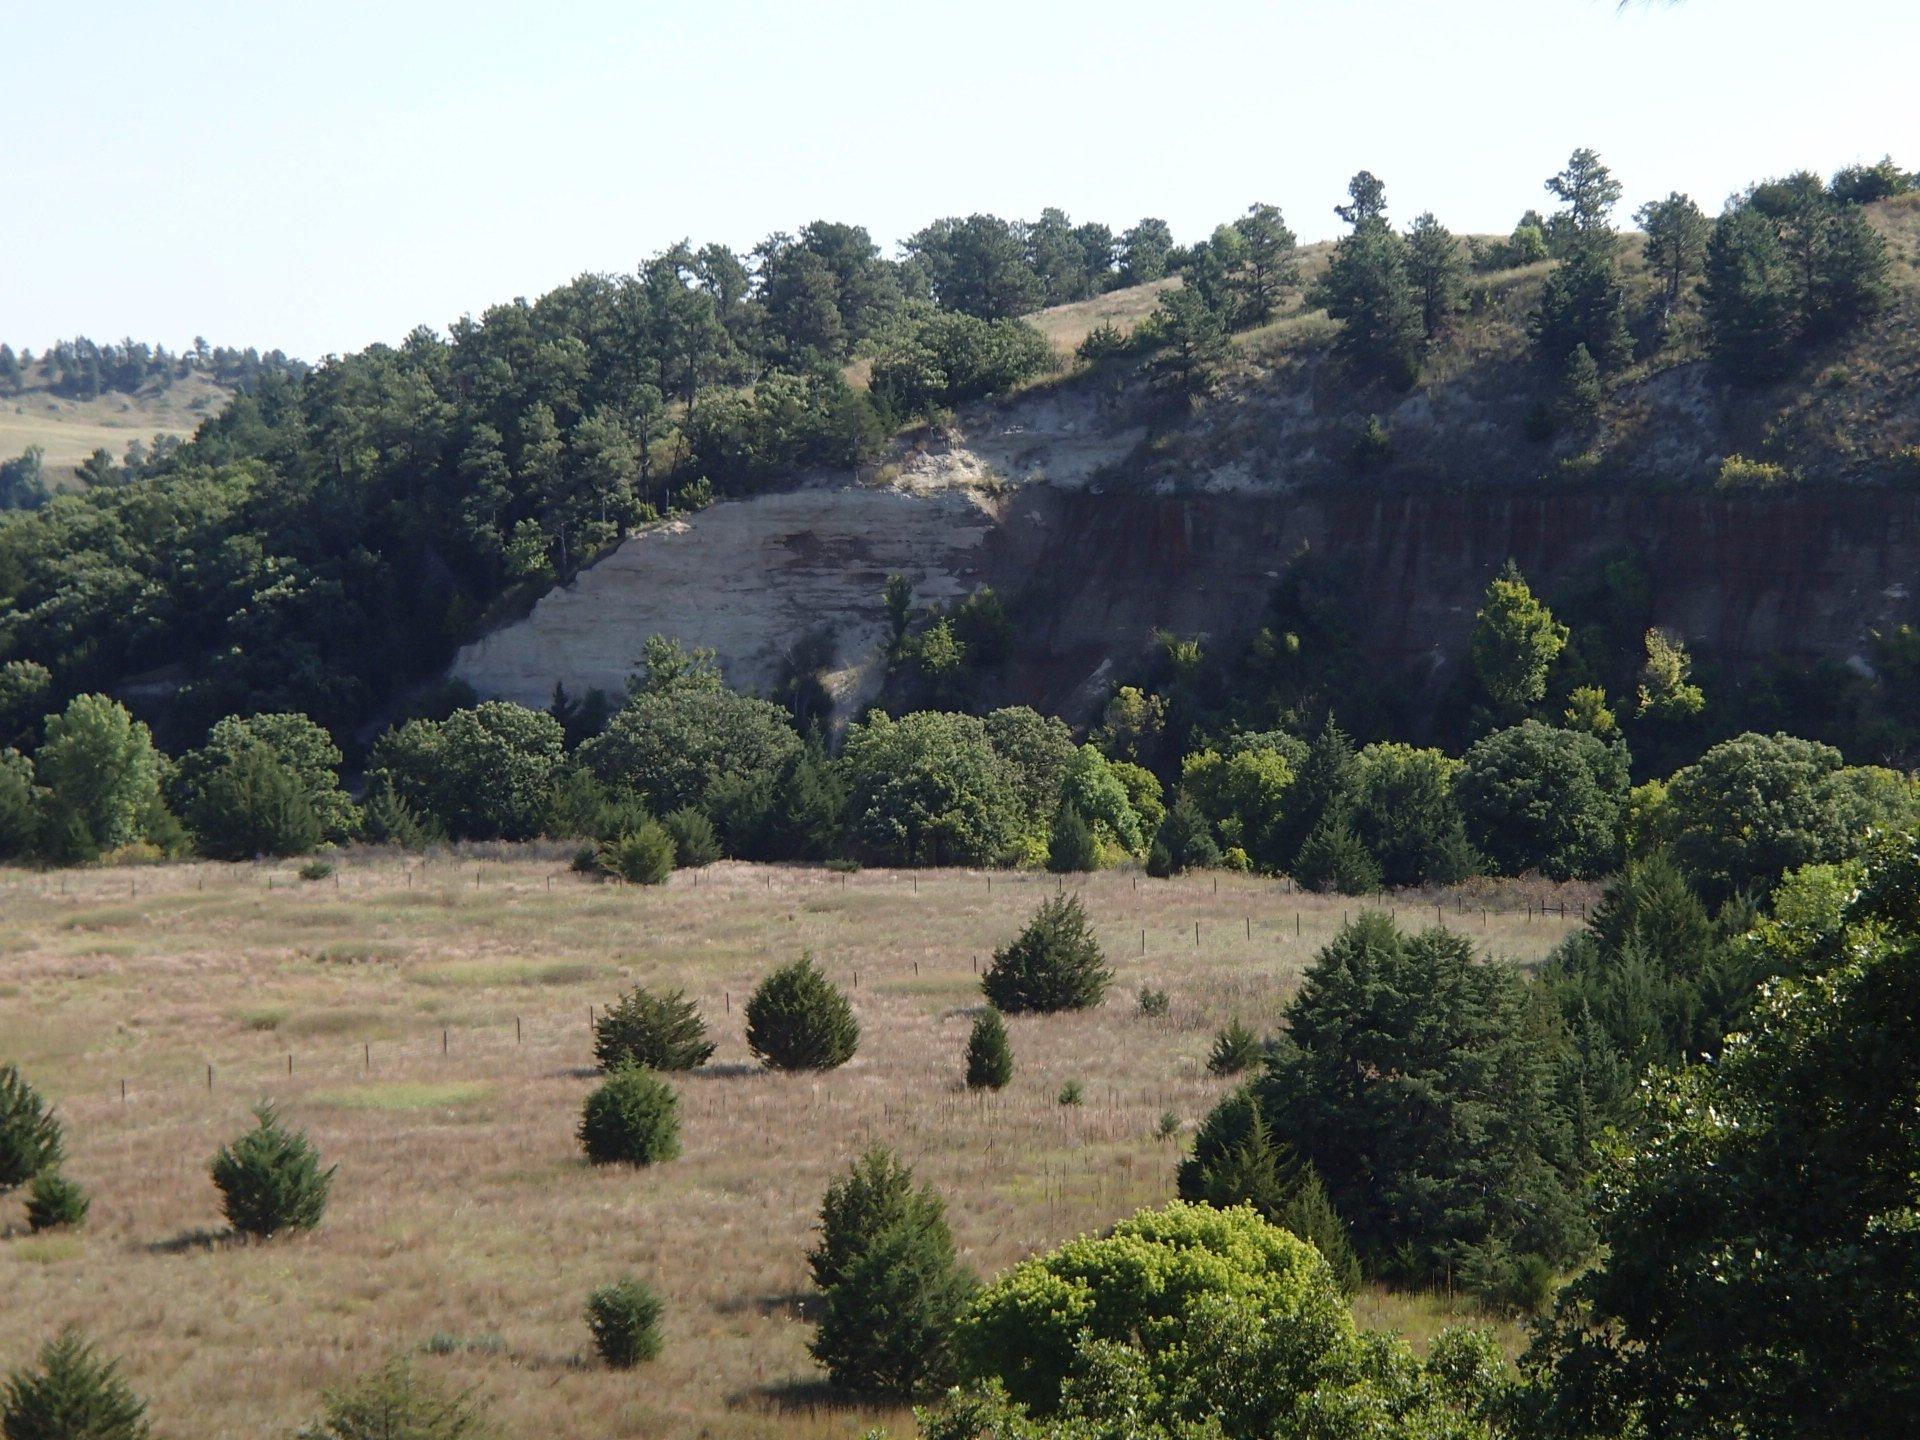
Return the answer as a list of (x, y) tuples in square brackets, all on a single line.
[(1760, 1265), (1515, 642), (483, 773), (100, 775), (929, 789), (1538, 798)]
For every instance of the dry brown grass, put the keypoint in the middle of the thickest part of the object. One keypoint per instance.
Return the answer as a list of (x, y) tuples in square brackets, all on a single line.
[(464, 1223)]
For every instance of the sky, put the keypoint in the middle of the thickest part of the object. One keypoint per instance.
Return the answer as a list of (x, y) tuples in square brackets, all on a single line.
[(314, 178)]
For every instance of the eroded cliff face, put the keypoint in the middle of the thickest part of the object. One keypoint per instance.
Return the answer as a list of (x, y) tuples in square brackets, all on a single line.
[(1089, 577)]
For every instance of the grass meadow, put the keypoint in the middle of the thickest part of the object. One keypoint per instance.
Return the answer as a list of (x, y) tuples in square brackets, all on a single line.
[(428, 1023)]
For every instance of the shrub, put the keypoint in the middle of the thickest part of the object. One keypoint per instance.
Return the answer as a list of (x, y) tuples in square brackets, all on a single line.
[(625, 1320), (29, 1132), (989, 1056), (694, 843), (661, 1032), (1153, 1004), (270, 1179), (798, 1020), (55, 1202), (1332, 858), (394, 1403), (316, 870), (886, 1269), (1072, 1093), (1235, 1048), (1055, 964), (73, 1395), (631, 1119), (1737, 472), (641, 856)]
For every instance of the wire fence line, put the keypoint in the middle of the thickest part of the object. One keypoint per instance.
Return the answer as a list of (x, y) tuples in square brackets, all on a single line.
[(373, 1056)]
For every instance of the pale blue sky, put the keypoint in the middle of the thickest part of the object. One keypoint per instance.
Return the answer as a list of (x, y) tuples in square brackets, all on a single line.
[(319, 176)]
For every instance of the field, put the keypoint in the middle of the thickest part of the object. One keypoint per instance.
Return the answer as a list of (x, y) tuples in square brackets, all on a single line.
[(71, 430), (429, 1024)]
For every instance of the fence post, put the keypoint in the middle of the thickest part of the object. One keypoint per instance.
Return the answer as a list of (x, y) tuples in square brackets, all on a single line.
[(516, 1029), (209, 1077), (443, 1043), (1249, 927), (289, 1062), (366, 1057), (1196, 932), (123, 1092)]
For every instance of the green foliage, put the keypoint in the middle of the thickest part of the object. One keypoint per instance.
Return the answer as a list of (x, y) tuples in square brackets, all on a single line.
[(890, 1281), (1515, 642), (1072, 1093), (1054, 964), (797, 1019), (483, 773), (694, 843), (386, 819), (1369, 289), (624, 1320), (631, 1118), (101, 778), (30, 1138), (1091, 787), (56, 1202), (1406, 816), (1071, 848), (1759, 1260), (263, 785), (1333, 858), (1753, 807), (1419, 1088), (73, 1394), (1666, 692), (928, 789), (270, 1179), (941, 358), (1195, 344), (658, 1030), (1438, 269), (989, 1055), (1194, 1322), (1185, 840), (396, 1402), (683, 731), (1152, 1004), (643, 855), (19, 805), (1235, 1048), (1675, 247), (1036, 750), (1537, 798)]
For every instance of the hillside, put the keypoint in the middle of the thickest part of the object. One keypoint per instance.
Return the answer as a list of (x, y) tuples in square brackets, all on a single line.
[(1104, 511), (69, 430)]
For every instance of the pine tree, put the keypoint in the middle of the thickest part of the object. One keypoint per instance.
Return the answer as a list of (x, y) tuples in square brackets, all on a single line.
[(1185, 841), (1328, 784), (55, 1202), (808, 805), (694, 843), (1332, 858), (659, 1031), (270, 1179), (890, 1281), (30, 1139), (989, 1055), (643, 855), (799, 1020), (398, 1403), (633, 1118), (1054, 964), (1235, 1048), (387, 819), (73, 1395), (1368, 289), (1309, 1213), (1071, 850), (624, 1320), (1438, 270), (1580, 393)]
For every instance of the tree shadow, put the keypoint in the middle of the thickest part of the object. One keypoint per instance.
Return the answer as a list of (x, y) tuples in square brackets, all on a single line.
[(201, 1237), (813, 1397)]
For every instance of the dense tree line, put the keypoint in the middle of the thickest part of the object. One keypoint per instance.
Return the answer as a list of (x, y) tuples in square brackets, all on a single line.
[(83, 369)]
